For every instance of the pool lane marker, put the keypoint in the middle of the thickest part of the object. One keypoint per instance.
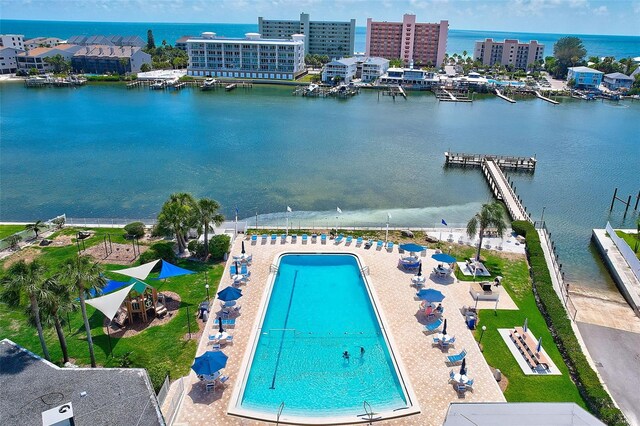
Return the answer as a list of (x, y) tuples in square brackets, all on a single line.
[(284, 329)]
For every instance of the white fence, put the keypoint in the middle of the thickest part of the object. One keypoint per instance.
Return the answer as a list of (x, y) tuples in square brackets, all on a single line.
[(170, 407), (626, 251), (27, 235)]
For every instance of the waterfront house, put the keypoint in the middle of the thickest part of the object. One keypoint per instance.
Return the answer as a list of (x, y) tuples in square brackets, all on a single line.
[(32, 43), (616, 81), (585, 77), (34, 391), (344, 69), (36, 58), (8, 62), (374, 68), (100, 59), (332, 38), (12, 40), (509, 53), (249, 57), (419, 43), (410, 78)]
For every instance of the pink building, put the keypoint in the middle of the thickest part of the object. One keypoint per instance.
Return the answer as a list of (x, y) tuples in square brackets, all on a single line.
[(420, 44)]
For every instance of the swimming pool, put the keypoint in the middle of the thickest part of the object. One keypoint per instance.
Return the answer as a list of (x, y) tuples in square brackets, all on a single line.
[(319, 306), (507, 83)]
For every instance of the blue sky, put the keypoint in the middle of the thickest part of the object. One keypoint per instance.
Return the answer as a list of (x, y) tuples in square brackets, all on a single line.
[(550, 16)]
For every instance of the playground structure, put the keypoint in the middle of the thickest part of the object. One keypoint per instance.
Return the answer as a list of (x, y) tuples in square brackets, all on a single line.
[(142, 301)]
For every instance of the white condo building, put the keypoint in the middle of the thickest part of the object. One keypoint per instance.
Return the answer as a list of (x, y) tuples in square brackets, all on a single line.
[(15, 41), (249, 57)]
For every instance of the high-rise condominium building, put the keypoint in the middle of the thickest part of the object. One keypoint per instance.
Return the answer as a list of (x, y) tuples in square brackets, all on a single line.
[(334, 39), (414, 43), (510, 53)]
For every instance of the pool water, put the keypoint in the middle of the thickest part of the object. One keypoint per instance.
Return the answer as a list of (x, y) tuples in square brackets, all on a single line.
[(507, 83), (319, 308)]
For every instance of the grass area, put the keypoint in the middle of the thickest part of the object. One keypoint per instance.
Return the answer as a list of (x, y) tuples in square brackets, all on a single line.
[(522, 387), (162, 346), (6, 230), (307, 78), (632, 239)]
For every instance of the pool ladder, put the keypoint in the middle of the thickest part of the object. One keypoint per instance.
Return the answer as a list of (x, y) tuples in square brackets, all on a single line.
[(365, 270), (273, 268), (280, 408), (368, 412)]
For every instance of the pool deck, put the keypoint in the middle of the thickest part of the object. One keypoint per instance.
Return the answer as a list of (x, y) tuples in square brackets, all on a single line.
[(427, 371)]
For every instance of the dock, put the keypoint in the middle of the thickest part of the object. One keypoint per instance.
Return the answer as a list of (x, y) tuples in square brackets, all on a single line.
[(503, 191), (445, 95), (539, 96), (393, 91), (501, 96), (503, 161)]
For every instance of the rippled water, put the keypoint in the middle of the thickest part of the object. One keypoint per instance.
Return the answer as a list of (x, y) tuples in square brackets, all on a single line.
[(105, 151)]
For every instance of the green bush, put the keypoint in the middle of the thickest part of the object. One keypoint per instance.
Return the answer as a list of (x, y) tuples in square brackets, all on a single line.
[(135, 229), (159, 251), (196, 248), (157, 373), (218, 246), (598, 400)]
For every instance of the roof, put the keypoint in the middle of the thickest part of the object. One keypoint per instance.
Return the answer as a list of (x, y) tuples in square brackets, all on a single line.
[(618, 76), (585, 69), (30, 385), (243, 41), (376, 60), (183, 39), (344, 61), (520, 413), (103, 51)]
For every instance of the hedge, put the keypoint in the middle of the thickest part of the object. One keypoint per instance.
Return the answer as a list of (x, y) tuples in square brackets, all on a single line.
[(159, 251), (219, 246), (597, 399)]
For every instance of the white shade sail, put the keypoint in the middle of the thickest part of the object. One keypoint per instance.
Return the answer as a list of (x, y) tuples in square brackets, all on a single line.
[(110, 303), (140, 272)]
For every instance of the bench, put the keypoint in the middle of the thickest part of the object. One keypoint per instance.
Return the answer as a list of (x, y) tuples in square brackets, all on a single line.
[(526, 346)]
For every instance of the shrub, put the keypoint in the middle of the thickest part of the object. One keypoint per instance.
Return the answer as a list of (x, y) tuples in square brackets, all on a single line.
[(135, 229), (219, 246), (598, 400), (157, 373), (196, 248), (162, 251)]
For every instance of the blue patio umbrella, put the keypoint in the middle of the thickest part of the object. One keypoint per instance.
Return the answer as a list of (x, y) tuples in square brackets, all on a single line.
[(430, 295), (229, 293), (443, 257), (411, 247), (209, 362)]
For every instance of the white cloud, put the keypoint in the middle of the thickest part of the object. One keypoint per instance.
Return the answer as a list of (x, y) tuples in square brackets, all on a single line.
[(601, 11)]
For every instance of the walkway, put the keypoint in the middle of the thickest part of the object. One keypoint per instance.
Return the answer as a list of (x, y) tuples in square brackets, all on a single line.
[(428, 374), (507, 195)]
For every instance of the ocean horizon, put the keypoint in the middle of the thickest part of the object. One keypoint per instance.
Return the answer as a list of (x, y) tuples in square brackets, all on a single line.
[(619, 46)]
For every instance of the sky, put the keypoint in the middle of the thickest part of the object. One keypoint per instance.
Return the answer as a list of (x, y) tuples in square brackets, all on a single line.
[(546, 16)]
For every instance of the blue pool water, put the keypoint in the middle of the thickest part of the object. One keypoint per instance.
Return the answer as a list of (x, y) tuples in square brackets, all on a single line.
[(507, 83), (320, 307)]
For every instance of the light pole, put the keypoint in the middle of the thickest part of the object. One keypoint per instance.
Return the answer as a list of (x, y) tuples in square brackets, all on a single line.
[(207, 287), (484, 328), (386, 238), (542, 217)]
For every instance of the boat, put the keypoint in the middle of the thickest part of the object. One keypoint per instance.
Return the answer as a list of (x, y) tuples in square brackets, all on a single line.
[(171, 82), (209, 84), (230, 87), (157, 84)]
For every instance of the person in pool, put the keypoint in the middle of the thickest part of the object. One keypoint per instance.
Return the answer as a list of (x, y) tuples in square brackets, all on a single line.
[(361, 351), (345, 355)]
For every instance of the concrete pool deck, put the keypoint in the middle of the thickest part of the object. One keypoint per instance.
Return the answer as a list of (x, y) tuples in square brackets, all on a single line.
[(427, 372)]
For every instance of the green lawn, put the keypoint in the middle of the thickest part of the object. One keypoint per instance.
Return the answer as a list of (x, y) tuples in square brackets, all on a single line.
[(521, 387), (163, 346), (6, 230), (632, 239)]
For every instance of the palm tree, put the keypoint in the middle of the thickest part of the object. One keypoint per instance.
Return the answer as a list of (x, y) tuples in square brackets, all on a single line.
[(26, 278), (56, 301), (464, 53), (207, 213), (177, 216), (83, 275), (36, 227), (490, 215)]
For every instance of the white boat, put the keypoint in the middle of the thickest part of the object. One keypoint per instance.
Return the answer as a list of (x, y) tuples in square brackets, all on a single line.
[(157, 84), (172, 81), (209, 83)]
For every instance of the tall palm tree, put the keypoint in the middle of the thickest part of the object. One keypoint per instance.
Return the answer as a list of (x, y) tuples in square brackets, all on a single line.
[(36, 227), (57, 300), (177, 216), (207, 213), (490, 215), (26, 278), (84, 274)]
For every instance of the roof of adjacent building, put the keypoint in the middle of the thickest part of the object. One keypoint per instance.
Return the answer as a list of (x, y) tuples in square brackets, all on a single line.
[(117, 40), (344, 61), (107, 51), (183, 39), (618, 76), (30, 385), (39, 40), (521, 413), (50, 51), (585, 69), (376, 60)]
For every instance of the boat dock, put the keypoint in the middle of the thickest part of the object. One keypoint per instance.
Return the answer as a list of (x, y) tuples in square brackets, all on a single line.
[(492, 166), (539, 96), (445, 95), (316, 91), (393, 91), (501, 96), (48, 81)]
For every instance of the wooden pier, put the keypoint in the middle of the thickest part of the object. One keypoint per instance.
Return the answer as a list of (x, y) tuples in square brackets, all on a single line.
[(503, 161), (501, 96), (539, 96), (445, 95), (503, 191), (393, 91)]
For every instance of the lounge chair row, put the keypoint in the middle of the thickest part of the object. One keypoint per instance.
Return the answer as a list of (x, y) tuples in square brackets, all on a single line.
[(323, 239)]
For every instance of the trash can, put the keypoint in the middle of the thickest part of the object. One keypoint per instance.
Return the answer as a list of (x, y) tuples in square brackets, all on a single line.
[(471, 322), (205, 316), (498, 375)]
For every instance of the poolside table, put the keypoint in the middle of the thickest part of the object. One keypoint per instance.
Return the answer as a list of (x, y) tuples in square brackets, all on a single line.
[(220, 336), (461, 378), (444, 337)]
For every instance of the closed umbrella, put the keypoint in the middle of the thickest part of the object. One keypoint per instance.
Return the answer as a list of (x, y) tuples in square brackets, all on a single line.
[(539, 347), (444, 327), (209, 362), (443, 257), (430, 295), (243, 247), (420, 270), (237, 269), (229, 293), (463, 367), (220, 329), (524, 326)]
